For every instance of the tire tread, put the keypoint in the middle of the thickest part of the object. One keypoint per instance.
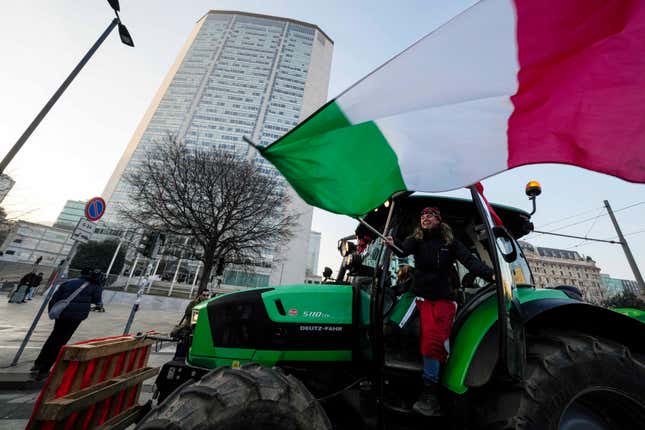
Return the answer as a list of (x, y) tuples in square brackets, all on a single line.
[(227, 394), (552, 357)]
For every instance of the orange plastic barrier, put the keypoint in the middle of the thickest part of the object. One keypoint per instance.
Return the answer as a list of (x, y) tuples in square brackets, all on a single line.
[(94, 385)]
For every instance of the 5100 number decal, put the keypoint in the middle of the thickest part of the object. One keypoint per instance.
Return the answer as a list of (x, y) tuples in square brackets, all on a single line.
[(315, 314)]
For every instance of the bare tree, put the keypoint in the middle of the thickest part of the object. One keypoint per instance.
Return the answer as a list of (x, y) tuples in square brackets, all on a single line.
[(225, 204)]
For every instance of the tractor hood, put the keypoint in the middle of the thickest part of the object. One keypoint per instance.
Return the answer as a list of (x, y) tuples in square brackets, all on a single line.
[(293, 318)]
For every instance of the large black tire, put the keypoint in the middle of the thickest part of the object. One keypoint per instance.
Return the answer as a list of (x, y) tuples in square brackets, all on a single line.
[(252, 397), (573, 381)]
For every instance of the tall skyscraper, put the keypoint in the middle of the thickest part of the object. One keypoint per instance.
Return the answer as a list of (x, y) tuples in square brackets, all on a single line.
[(239, 74)]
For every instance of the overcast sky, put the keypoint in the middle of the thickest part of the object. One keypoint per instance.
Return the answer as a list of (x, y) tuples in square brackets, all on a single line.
[(75, 149)]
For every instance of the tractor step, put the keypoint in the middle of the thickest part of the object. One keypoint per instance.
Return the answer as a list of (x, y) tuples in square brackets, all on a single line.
[(408, 366)]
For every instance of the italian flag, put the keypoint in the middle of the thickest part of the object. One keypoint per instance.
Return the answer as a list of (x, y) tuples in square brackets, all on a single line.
[(504, 84)]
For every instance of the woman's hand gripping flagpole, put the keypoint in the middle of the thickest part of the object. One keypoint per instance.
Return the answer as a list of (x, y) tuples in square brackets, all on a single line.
[(387, 240)]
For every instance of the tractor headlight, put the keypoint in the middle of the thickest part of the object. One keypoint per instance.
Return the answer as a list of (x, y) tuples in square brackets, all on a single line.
[(194, 316)]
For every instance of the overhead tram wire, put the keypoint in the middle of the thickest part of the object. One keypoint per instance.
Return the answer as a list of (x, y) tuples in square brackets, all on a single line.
[(593, 218), (575, 223), (571, 216), (592, 225), (628, 234), (589, 242), (630, 206), (634, 232)]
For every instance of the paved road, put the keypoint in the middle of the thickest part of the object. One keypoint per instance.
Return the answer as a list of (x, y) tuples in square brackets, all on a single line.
[(15, 319)]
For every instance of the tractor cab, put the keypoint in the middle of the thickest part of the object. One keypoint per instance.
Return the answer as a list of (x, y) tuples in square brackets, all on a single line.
[(384, 279)]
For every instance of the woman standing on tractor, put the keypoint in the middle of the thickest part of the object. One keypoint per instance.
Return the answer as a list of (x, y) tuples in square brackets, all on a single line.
[(435, 250)]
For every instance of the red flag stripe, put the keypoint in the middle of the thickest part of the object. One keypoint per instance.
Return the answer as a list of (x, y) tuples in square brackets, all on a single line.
[(496, 219), (581, 96)]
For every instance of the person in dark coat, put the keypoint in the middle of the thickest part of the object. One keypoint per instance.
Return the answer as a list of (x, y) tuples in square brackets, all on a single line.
[(182, 330), (33, 284), (22, 290), (435, 250), (69, 320)]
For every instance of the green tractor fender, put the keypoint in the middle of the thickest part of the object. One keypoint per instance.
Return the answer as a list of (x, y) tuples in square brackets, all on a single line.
[(474, 344), (588, 319)]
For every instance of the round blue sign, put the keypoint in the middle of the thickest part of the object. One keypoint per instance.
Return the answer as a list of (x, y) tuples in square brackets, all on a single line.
[(94, 209)]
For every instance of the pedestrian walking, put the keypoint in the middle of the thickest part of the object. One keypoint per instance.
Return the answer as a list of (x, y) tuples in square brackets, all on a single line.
[(33, 284), (19, 294), (75, 296), (99, 305)]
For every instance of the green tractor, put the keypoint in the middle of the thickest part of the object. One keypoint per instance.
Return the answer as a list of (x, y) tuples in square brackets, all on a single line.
[(336, 355)]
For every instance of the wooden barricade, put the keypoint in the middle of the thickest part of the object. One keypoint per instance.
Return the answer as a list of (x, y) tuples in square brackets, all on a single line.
[(94, 385)]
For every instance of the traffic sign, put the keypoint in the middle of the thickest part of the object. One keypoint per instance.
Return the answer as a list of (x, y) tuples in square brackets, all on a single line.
[(94, 209), (85, 226), (83, 230)]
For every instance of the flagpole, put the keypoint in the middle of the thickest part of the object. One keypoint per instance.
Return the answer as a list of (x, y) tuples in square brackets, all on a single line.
[(378, 233), (250, 142), (389, 217)]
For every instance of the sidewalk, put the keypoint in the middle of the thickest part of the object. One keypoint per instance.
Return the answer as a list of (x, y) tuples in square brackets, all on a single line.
[(16, 403)]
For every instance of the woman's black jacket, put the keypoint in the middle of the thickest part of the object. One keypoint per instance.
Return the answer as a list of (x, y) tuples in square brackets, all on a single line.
[(433, 261)]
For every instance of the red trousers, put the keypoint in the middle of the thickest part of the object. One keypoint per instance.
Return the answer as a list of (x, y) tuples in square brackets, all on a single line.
[(437, 317)]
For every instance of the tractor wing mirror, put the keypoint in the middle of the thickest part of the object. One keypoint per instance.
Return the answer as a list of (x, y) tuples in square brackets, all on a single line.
[(505, 244)]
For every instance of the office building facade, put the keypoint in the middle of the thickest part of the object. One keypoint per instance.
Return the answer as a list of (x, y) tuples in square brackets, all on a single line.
[(71, 213), (614, 286), (28, 241), (552, 267), (239, 74)]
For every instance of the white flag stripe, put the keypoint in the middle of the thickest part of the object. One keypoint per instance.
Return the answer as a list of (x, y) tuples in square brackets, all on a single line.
[(442, 148), (473, 57)]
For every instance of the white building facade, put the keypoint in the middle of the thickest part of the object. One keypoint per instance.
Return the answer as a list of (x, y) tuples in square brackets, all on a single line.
[(27, 241), (239, 74)]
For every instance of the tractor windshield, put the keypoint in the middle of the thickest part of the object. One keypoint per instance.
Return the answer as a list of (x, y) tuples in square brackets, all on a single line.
[(462, 216)]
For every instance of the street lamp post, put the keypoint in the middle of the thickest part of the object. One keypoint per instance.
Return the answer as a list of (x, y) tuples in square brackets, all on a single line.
[(125, 38)]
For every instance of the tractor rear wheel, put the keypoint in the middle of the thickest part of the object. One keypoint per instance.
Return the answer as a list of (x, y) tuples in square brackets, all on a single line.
[(572, 382), (252, 397)]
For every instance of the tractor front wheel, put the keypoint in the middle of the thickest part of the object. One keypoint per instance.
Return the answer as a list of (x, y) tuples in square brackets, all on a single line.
[(573, 382), (252, 397)]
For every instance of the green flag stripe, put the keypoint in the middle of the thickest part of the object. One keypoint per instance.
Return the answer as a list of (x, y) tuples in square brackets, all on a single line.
[(329, 117), (343, 168)]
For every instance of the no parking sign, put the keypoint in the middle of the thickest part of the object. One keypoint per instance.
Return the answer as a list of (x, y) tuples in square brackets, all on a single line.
[(95, 208)]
